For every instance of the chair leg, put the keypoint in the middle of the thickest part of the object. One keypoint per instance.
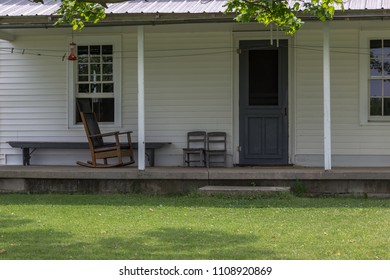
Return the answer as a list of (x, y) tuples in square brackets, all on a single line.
[(196, 158), (202, 161)]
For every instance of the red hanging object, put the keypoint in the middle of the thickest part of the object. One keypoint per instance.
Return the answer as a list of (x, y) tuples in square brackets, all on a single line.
[(72, 55)]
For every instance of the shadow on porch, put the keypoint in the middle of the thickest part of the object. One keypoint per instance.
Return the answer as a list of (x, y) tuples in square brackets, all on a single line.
[(370, 182)]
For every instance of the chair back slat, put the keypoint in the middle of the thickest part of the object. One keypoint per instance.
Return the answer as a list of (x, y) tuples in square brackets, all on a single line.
[(216, 141), (196, 139), (92, 128), (84, 105)]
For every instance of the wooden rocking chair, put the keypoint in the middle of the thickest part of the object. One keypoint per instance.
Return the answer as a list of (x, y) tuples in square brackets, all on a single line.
[(101, 150)]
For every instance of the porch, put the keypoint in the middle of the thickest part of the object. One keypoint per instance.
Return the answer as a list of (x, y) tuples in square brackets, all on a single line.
[(367, 182)]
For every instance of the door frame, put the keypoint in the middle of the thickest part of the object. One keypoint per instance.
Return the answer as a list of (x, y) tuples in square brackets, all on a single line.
[(291, 104)]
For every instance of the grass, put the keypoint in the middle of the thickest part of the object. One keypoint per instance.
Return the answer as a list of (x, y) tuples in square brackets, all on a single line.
[(192, 227)]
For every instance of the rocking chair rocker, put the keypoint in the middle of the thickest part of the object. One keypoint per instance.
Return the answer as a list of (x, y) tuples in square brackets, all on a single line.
[(101, 150)]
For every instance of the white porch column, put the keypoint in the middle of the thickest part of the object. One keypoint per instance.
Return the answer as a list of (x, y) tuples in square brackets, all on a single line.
[(141, 98), (327, 129)]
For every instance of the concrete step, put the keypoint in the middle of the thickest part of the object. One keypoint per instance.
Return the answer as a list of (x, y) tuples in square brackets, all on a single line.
[(243, 189)]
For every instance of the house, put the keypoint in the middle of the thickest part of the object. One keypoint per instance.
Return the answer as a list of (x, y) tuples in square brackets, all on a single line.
[(202, 71)]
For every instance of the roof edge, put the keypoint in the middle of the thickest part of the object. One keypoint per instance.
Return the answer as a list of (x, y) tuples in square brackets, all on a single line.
[(128, 19)]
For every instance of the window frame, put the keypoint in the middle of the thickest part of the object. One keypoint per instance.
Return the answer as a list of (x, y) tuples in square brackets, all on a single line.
[(365, 76), (116, 43)]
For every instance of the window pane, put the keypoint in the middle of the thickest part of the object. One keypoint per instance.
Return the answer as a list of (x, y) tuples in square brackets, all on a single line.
[(386, 68), (95, 68), (375, 67), (94, 50), (386, 49), (376, 107), (83, 78), (103, 108), (107, 58), (375, 88), (107, 68), (107, 77), (263, 79), (95, 59), (82, 59), (374, 44), (376, 57), (108, 87), (376, 48), (83, 69), (107, 49), (82, 50), (386, 106), (84, 88), (95, 88), (386, 87)]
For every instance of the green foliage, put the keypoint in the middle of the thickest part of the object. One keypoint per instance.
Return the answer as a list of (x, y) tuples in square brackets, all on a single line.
[(282, 13), (299, 189), (77, 13)]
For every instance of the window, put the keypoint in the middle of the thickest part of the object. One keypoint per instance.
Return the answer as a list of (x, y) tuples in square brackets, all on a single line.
[(95, 78), (263, 80), (379, 80)]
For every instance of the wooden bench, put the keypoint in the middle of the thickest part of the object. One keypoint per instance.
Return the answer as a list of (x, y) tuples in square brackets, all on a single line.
[(29, 147)]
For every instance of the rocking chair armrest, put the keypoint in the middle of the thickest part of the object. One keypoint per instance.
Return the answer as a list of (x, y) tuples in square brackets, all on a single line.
[(125, 132), (105, 134), (128, 134)]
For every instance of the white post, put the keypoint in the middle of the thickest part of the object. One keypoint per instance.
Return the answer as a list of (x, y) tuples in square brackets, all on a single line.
[(327, 129), (141, 98)]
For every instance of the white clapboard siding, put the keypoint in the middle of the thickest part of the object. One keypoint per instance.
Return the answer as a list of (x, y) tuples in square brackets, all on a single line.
[(33, 93), (349, 137), (188, 86)]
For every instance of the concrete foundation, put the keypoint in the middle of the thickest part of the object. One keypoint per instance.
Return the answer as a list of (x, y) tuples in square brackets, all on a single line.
[(360, 182)]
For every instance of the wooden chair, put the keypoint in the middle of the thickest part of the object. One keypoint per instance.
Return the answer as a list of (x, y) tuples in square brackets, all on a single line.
[(216, 148), (196, 147), (101, 150)]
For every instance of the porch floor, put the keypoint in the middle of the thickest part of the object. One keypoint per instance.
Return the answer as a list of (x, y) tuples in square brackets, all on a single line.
[(165, 180)]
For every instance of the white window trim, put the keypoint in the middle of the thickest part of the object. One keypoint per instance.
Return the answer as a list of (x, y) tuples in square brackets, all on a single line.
[(364, 75), (116, 42)]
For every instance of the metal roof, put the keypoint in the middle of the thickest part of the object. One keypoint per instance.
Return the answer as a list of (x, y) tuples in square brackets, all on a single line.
[(366, 4), (26, 14), (27, 8)]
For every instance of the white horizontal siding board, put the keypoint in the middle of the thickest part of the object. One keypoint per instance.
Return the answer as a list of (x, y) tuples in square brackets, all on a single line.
[(309, 92), (33, 93), (187, 87), (349, 137)]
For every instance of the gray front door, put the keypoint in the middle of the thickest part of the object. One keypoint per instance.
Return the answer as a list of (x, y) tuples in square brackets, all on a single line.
[(263, 102)]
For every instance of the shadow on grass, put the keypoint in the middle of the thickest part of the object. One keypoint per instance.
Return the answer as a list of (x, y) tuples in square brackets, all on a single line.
[(195, 200), (161, 244), (10, 221)]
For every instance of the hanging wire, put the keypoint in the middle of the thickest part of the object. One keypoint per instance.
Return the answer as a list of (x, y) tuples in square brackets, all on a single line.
[(178, 52)]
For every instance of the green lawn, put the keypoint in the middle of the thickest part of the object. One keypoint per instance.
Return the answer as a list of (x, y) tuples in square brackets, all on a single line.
[(192, 227)]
